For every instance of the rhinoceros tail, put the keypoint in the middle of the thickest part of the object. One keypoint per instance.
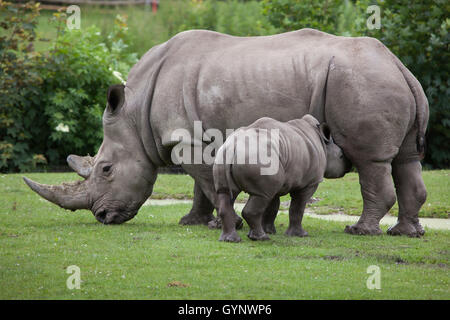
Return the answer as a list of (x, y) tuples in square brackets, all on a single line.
[(223, 179), (422, 108)]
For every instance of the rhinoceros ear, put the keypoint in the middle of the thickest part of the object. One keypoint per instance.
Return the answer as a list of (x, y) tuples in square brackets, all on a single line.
[(115, 97), (325, 133)]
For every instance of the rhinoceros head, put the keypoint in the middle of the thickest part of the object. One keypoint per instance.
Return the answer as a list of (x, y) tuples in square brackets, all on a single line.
[(337, 164), (117, 180)]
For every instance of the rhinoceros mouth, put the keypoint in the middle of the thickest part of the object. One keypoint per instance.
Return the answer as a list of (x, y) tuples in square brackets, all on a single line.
[(111, 214), (113, 217)]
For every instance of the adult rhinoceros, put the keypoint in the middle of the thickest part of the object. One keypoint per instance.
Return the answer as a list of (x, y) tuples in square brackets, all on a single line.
[(375, 107)]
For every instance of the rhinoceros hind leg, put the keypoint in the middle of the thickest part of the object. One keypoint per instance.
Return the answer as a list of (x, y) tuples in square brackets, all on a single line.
[(299, 199), (228, 218), (411, 194), (378, 194), (216, 223), (253, 212), (269, 216)]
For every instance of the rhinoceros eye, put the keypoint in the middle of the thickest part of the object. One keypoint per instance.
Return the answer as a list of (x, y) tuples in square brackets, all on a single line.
[(107, 169)]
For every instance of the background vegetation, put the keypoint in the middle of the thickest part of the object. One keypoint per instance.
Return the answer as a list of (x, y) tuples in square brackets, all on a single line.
[(53, 81)]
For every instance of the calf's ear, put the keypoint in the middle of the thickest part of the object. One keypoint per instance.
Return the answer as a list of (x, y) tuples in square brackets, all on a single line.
[(325, 133), (115, 97)]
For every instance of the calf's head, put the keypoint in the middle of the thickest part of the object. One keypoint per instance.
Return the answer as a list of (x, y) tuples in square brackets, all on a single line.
[(117, 180), (337, 164)]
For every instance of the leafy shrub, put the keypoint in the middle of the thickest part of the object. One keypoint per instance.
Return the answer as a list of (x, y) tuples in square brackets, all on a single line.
[(291, 15), (20, 86), (53, 105), (243, 19)]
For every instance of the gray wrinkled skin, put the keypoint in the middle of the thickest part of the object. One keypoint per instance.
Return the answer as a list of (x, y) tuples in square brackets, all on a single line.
[(306, 153), (376, 110)]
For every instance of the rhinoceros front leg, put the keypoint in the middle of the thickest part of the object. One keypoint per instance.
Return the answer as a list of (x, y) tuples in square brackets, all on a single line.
[(202, 209), (378, 195), (411, 194)]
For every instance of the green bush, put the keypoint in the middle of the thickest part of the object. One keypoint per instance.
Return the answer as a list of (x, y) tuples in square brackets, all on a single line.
[(20, 87), (53, 104), (243, 19), (289, 15)]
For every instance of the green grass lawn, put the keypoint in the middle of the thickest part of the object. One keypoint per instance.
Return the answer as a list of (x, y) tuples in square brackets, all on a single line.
[(153, 257)]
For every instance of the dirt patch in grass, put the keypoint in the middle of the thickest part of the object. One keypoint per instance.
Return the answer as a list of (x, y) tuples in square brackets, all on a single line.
[(178, 284)]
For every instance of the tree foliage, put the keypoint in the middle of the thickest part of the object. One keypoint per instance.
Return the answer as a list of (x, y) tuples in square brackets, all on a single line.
[(20, 85), (417, 32), (52, 102)]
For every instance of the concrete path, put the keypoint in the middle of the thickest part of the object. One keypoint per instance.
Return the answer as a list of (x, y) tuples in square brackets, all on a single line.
[(433, 223)]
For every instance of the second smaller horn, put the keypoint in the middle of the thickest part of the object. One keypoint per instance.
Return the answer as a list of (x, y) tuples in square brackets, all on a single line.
[(81, 165)]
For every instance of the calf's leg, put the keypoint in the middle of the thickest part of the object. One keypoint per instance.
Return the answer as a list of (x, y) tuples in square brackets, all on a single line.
[(253, 212), (205, 197), (228, 217), (268, 220), (299, 198)]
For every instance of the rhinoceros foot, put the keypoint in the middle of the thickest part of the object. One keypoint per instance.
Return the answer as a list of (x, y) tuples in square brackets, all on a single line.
[(254, 235), (363, 229), (269, 228), (193, 218), (216, 223), (230, 237), (291, 232), (413, 230)]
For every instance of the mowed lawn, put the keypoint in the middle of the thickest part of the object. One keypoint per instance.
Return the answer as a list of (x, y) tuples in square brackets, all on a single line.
[(153, 257)]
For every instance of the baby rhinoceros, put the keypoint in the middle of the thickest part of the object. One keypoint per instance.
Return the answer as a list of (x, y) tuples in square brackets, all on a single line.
[(269, 159)]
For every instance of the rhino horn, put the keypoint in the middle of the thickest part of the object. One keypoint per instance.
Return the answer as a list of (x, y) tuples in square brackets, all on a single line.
[(81, 165), (70, 196)]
